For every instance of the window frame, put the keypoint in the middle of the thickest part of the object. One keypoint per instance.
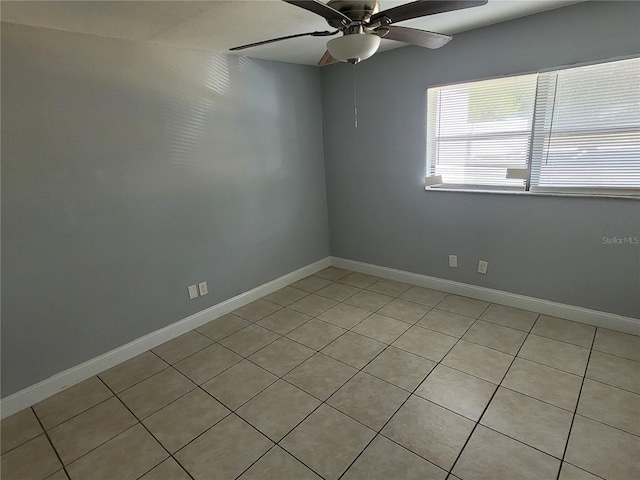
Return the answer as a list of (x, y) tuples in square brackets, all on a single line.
[(431, 181)]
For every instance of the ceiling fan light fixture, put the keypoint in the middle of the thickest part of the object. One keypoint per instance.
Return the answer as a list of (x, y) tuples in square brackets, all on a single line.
[(353, 48)]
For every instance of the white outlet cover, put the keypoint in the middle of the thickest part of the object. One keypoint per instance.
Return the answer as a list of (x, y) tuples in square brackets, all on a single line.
[(453, 261), (193, 292), (202, 286), (482, 267)]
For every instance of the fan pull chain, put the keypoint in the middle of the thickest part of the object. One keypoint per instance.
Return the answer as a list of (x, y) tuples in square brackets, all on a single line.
[(355, 98)]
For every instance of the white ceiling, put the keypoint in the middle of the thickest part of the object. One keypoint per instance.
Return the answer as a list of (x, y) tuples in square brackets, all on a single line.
[(218, 25)]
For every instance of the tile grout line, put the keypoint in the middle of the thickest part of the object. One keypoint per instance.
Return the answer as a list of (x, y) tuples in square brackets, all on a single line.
[(57, 424), (523, 358), (362, 370), (113, 396), (605, 424), (534, 398), (279, 378), (306, 294), (574, 412), (148, 431), (323, 402), (610, 385), (498, 385), (197, 386), (300, 343), (176, 338), (284, 335), (269, 439), (527, 332), (289, 331), (450, 472), (613, 354), (563, 341), (573, 418), (277, 444), (139, 381), (46, 433), (379, 432), (583, 470), (172, 401), (231, 411), (549, 366)]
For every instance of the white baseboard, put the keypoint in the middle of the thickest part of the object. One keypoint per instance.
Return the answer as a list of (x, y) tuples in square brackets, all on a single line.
[(538, 305), (44, 389), (52, 385)]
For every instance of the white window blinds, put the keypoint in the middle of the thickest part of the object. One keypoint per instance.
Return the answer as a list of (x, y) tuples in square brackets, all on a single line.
[(587, 130), (480, 131), (569, 131)]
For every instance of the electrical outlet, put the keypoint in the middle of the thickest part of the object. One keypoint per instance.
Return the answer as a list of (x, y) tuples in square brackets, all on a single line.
[(453, 261), (193, 292), (203, 288), (482, 267)]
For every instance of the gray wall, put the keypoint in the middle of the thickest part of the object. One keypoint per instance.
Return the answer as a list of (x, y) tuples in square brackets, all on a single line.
[(132, 171), (545, 247)]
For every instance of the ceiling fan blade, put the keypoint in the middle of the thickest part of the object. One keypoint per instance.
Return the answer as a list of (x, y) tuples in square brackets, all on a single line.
[(423, 8), (421, 38), (326, 59), (308, 34), (322, 9)]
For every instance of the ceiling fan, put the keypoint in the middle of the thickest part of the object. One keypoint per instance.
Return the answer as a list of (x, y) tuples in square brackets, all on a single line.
[(362, 25)]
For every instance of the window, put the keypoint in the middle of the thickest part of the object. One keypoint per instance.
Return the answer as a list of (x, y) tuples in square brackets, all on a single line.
[(568, 131)]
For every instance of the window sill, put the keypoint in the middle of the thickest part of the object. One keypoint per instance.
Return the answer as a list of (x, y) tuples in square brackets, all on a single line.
[(533, 194)]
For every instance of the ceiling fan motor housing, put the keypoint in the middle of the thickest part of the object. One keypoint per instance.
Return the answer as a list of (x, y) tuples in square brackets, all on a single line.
[(356, 10)]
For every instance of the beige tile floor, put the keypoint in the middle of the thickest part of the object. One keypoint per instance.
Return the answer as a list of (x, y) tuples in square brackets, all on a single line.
[(344, 375)]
